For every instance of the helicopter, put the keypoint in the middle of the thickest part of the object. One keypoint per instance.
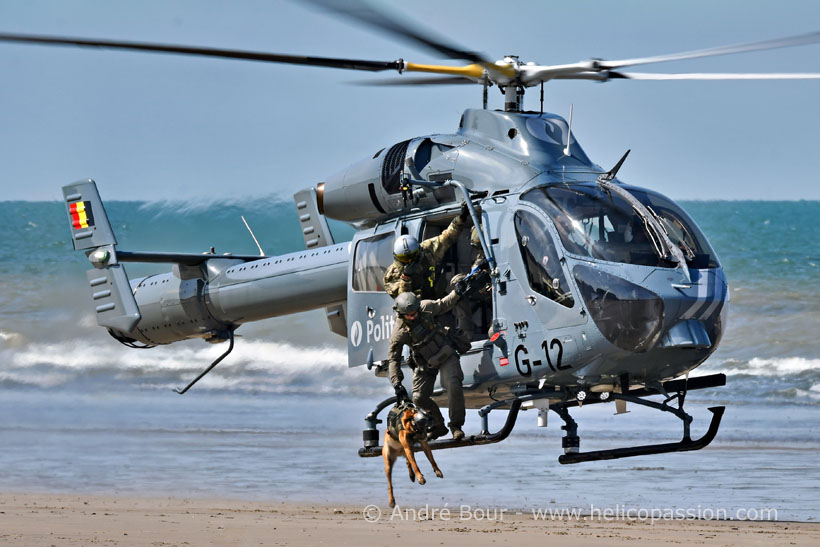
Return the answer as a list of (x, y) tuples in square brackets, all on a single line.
[(609, 307)]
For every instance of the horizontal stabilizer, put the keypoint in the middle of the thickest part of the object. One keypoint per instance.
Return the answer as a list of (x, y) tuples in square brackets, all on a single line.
[(189, 259)]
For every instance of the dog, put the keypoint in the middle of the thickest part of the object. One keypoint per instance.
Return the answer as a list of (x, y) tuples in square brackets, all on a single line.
[(406, 425)]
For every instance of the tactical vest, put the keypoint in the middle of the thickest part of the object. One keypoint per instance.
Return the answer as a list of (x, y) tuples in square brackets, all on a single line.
[(431, 343), (423, 275)]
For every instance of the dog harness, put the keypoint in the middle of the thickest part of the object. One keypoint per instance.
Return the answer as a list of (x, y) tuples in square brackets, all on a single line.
[(394, 425)]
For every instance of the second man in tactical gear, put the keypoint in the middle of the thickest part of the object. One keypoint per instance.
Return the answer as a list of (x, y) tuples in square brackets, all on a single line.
[(414, 267), (477, 285), (432, 350)]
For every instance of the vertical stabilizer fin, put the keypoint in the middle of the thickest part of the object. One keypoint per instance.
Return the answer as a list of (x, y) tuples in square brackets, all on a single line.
[(86, 216), (316, 233), (314, 225), (111, 291), (112, 297)]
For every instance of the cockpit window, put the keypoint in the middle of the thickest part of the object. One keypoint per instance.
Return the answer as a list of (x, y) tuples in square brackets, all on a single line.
[(592, 222), (544, 271), (371, 259)]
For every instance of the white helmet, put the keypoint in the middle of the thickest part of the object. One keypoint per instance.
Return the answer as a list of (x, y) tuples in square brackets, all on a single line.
[(406, 249)]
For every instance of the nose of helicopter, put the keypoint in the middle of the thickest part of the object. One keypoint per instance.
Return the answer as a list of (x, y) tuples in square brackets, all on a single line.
[(657, 312), (695, 313)]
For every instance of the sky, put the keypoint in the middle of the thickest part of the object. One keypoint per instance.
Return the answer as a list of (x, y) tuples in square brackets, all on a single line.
[(165, 127)]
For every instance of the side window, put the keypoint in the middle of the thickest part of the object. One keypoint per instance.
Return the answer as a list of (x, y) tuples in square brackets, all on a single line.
[(544, 271), (371, 259)]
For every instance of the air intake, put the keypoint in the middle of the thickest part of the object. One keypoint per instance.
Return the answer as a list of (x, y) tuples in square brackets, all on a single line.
[(392, 167)]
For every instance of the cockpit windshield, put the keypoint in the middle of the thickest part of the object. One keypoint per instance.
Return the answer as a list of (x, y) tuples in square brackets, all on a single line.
[(600, 224)]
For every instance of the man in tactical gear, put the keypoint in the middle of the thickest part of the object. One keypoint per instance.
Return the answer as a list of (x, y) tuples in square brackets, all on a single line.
[(432, 349), (414, 267)]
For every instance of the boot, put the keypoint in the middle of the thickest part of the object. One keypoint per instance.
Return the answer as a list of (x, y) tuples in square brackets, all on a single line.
[(458, 434)]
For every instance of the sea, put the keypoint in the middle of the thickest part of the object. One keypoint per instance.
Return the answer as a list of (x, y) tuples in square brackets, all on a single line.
[(281, 418)]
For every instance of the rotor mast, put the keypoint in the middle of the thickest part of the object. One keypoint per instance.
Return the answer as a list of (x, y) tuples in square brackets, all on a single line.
[(514, 91)]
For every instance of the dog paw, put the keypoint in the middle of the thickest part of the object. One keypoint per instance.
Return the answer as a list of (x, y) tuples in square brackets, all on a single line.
[(421, 480), (439, 474), (392, 503)]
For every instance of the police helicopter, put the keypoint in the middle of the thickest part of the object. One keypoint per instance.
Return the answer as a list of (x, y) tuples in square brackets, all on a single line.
[(601, 292)]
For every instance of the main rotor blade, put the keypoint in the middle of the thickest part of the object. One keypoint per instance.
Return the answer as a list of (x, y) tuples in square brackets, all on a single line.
[(332, 62), (449, 80), (717, 76), (789, 41), (379, 20)]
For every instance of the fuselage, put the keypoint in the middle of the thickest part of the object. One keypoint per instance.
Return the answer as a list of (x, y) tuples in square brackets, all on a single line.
[(587, 288)]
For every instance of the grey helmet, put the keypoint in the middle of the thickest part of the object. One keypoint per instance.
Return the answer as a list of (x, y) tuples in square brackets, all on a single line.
[(406, 249), (407, 302)]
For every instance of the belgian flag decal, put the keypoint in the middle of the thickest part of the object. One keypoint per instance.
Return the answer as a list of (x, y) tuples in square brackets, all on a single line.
[(81, 215)]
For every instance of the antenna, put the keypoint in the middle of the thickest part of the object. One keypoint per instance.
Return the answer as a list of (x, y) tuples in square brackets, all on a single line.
[(261, 252), (569, 133), (609, 175)]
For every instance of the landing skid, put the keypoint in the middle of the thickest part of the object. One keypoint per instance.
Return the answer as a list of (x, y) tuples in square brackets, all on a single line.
[(571, 442), (684, 445)]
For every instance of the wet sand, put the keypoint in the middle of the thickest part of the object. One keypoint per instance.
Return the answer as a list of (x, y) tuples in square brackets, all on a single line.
[(56, 519)]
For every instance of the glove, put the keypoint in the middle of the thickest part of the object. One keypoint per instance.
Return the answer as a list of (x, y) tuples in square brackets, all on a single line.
[(473, 283), (465, 212), (478, 281), (414, 269), (401, 394), (482, 264), (461, 287)]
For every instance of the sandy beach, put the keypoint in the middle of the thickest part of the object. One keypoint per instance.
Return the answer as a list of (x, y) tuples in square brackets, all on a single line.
[(43, 519)]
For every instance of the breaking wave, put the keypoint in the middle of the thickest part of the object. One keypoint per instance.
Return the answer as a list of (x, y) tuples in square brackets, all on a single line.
[(771, 367), (253, 366), (775, 380)]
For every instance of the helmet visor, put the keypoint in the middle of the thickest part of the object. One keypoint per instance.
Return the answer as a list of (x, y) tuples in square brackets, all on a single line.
[(408, 257)]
